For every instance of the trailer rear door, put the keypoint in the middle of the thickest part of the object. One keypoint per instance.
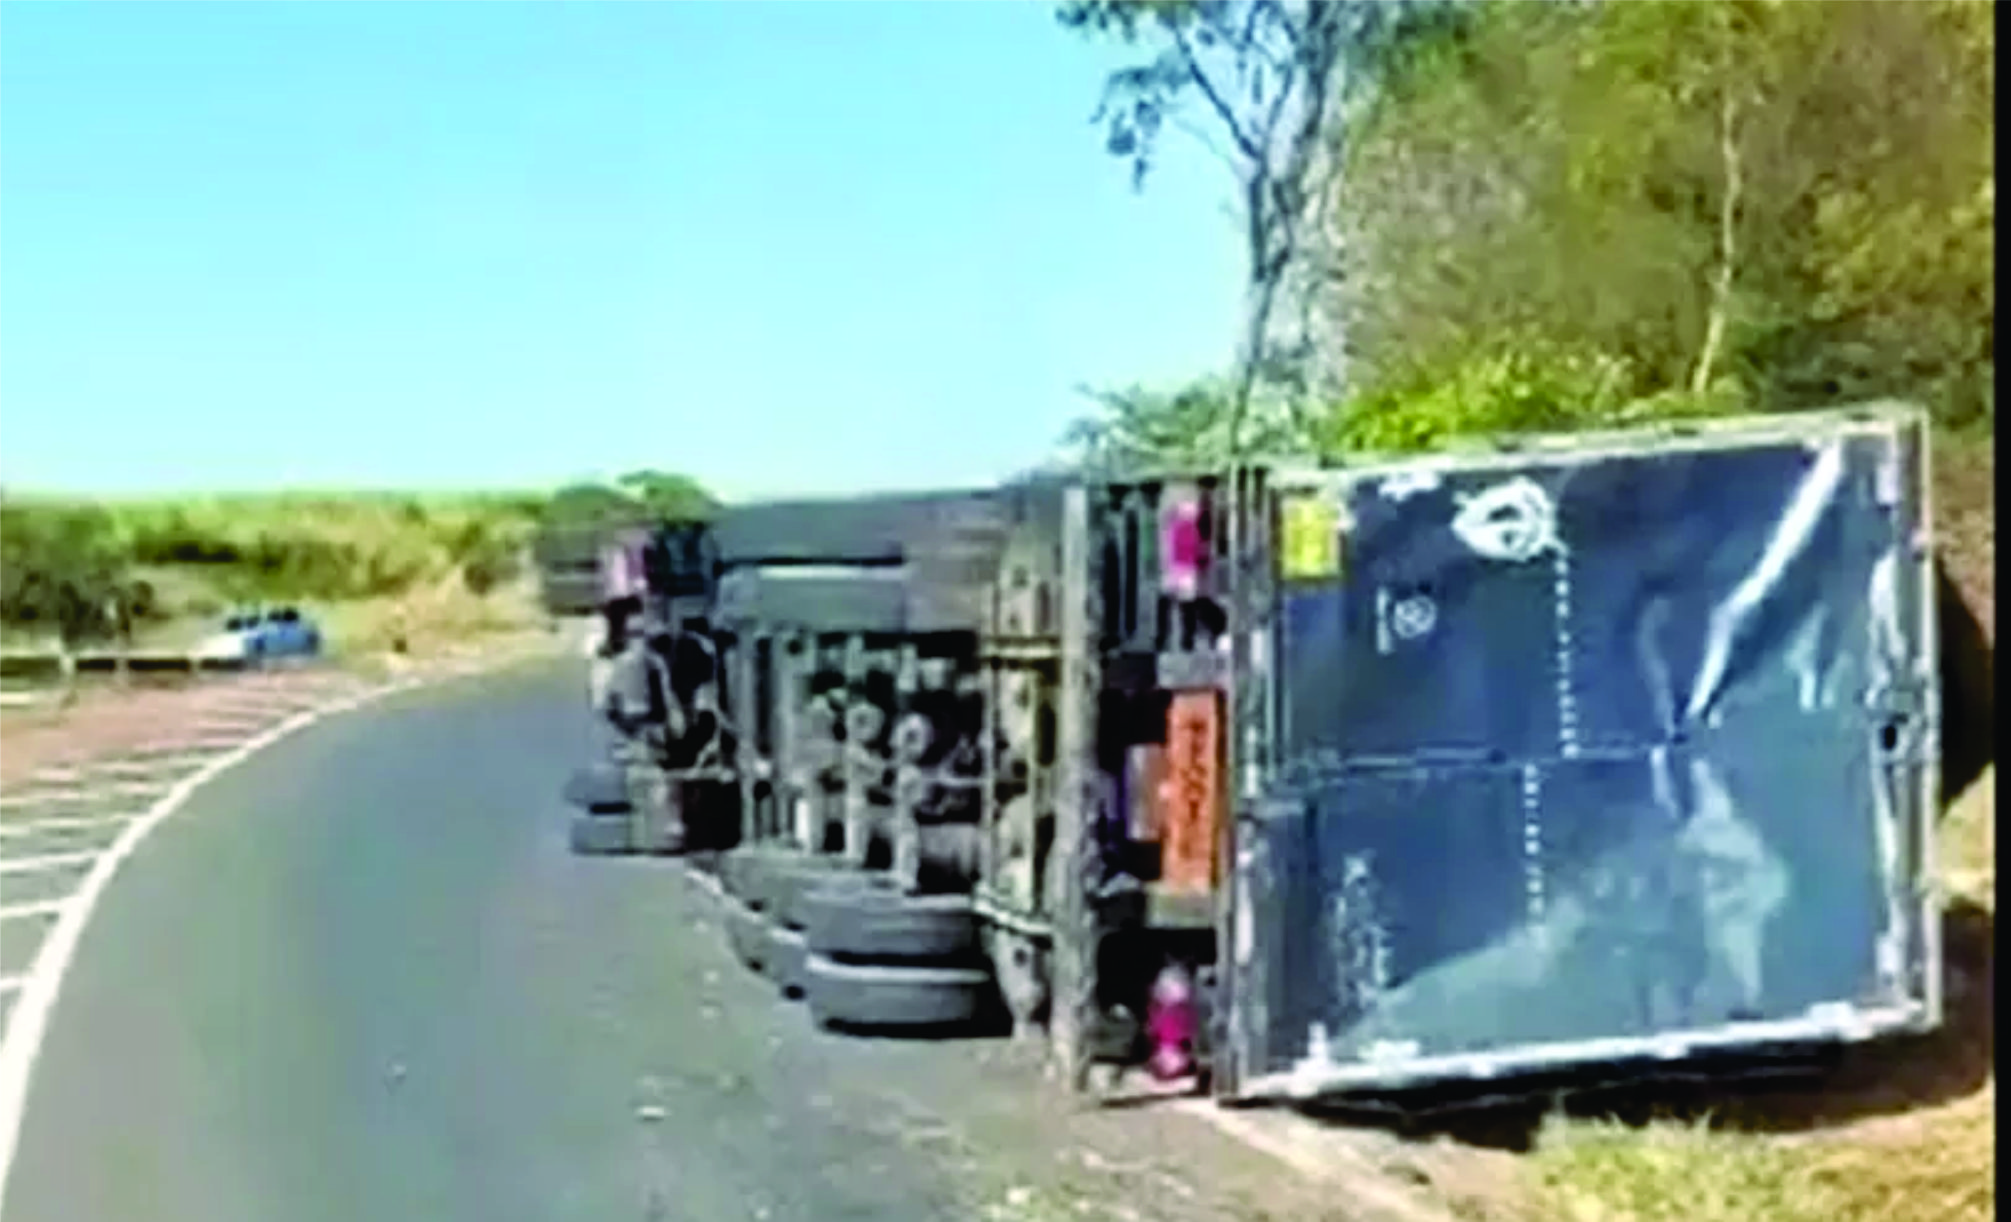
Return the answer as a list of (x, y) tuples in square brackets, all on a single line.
[(1601, 750)]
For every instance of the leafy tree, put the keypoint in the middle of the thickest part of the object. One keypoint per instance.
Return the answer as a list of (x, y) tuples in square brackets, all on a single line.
[(485, 552), (1781, 204), (667, 497), (1528, 389), (1268, 75), (579, 517), (1188, 426), (589, 504), (61, 568)]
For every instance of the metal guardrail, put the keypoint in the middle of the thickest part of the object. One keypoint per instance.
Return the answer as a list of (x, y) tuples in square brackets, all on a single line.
[(51, 676), (59, 664)]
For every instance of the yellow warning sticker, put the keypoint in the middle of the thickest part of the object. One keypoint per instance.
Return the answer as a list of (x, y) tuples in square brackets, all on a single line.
[(1310, 546)]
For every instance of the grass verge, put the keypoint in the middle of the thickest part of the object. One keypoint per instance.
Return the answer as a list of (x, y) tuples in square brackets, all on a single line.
[(1903, 1133)]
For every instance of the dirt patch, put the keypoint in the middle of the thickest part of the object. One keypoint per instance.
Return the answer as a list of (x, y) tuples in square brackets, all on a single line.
[(1965, 522), (1051, 1154), (101, 721)]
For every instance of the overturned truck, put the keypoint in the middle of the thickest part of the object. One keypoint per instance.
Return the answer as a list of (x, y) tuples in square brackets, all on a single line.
[(1594, 752)]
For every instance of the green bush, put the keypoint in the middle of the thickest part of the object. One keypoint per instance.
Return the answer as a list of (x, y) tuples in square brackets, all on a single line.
[(63, 562), (1520, 389), (62, 567)]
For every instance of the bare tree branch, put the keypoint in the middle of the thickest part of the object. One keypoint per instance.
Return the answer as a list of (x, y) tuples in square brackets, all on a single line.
[(1223, 111), (1728, 239), (1267, 73)]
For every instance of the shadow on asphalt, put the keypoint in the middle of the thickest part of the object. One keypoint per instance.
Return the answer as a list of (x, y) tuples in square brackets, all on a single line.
[(987, 1031)]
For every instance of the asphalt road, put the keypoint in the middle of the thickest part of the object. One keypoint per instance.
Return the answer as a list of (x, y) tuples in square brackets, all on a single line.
[(361, 977)]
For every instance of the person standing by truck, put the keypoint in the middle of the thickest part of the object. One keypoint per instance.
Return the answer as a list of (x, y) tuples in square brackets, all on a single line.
[(607, 640), (632, 692)]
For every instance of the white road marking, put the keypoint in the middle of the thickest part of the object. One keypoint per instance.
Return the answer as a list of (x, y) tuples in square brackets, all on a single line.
[(22, 1042), (228, 726), (151, 762), (122, 789), (51, 861), (60, 774), (39, 908), (253, 701), (159, 748), (192, 738), (30, 827), (12, 984), (140, 771)]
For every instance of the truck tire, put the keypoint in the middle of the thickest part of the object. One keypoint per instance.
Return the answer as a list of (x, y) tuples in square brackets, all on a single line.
[(883, 926), (596, 834), (747, 935), (752, 868), (781, 884), (874, 996), (788, 951), (738, 868), (771, 875), (789, 910), (601, 788)]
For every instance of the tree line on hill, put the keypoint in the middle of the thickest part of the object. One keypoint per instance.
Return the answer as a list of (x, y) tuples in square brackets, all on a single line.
[(88, 570)]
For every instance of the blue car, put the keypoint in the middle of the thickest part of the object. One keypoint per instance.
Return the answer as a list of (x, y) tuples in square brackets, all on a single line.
[(258, 635)]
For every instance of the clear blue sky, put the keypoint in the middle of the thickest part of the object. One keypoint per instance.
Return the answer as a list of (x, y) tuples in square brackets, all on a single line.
[(784, 247)]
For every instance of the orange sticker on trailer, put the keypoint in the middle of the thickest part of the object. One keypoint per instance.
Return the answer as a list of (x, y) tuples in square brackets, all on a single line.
[(1191, 809)]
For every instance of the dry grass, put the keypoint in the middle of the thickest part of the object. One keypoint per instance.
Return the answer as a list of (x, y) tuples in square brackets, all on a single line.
[(1900, 1134), (1965, 520), (1939, 1165), (429, 618), (436, 613)]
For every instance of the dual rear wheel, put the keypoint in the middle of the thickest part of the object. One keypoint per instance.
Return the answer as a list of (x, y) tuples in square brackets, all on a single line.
[(862, 955)]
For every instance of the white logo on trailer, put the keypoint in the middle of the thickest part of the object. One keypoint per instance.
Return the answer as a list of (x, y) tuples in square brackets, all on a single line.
[(1414, 616), (1406, 484), (1514, 521)]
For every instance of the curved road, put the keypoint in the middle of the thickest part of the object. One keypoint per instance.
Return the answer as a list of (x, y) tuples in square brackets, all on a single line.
[(360, 976)]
